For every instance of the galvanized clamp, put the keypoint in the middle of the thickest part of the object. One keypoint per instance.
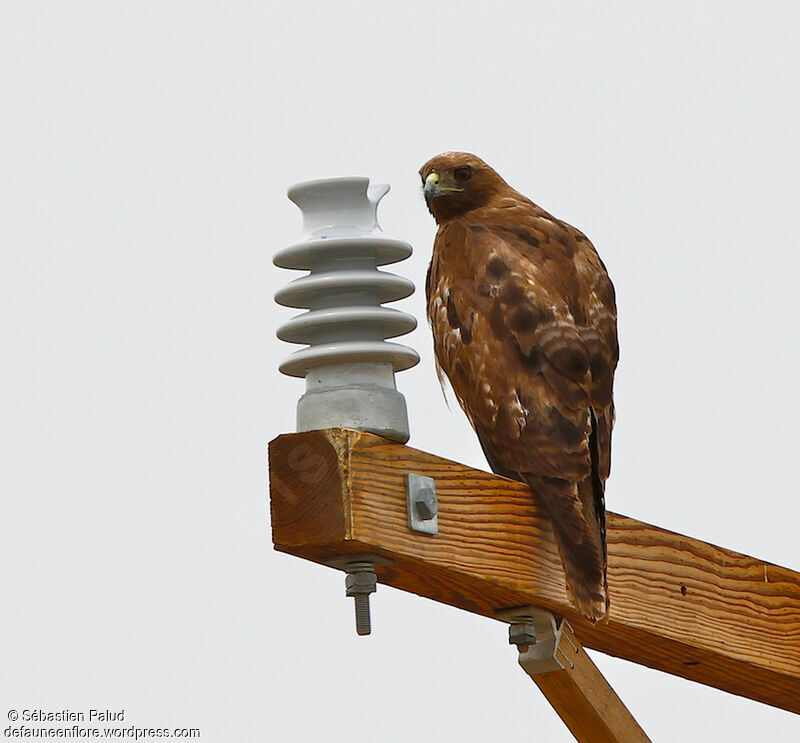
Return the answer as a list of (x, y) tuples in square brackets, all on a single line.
[(421, 504), (537, 634)]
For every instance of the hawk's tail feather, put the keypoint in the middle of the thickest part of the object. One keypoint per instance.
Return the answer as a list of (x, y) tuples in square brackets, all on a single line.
[(586, 588), (580, 537)]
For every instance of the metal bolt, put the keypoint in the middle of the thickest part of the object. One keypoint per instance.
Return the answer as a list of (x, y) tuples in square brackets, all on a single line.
[(425, 503), (360, 582), (522, 634)]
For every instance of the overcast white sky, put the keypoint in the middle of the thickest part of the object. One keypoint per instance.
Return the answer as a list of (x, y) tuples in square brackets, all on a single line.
[(146, 148)]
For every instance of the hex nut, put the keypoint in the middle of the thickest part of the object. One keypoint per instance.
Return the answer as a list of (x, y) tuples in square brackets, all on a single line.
[(426, 504), (522, 633), (360, 584)]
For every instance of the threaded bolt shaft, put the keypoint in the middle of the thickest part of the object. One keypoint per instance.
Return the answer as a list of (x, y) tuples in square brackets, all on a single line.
[(363, 621), (360, 582)]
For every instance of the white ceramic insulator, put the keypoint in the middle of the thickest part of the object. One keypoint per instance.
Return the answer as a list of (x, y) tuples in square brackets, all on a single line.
[(348, 365)]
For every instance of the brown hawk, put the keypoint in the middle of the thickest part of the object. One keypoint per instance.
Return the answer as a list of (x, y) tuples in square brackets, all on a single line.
[(524, 326)]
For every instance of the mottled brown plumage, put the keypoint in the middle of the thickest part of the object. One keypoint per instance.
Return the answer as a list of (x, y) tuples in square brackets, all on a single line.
[(524, 325)]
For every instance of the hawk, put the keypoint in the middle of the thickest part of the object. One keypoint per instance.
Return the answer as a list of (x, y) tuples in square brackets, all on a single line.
[(524, 325)]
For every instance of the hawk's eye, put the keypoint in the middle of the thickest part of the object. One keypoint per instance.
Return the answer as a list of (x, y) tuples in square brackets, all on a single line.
[(462, 174)]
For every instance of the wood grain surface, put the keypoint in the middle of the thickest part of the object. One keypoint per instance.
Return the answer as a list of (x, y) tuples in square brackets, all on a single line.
[(585, 701)]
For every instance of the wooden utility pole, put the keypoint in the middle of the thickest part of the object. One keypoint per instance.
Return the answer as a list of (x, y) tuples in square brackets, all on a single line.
[(678, 605)]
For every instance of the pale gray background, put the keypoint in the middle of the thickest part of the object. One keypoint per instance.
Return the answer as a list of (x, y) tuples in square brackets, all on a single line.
[(146, 149)]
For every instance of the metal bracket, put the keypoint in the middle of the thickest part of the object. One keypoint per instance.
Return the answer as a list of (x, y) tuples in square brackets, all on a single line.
[(537, 634), (421, 504)]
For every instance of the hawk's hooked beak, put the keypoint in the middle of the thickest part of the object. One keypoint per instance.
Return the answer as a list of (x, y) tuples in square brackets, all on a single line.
[(431, 190)]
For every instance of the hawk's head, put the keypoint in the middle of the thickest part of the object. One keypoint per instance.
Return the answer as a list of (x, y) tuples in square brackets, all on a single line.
[(457, 182)]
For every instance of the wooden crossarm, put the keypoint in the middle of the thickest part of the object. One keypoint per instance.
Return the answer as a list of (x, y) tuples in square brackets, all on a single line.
[(677, 604)]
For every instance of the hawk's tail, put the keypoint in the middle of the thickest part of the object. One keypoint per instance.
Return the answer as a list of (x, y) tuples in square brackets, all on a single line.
[(580, 535)]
